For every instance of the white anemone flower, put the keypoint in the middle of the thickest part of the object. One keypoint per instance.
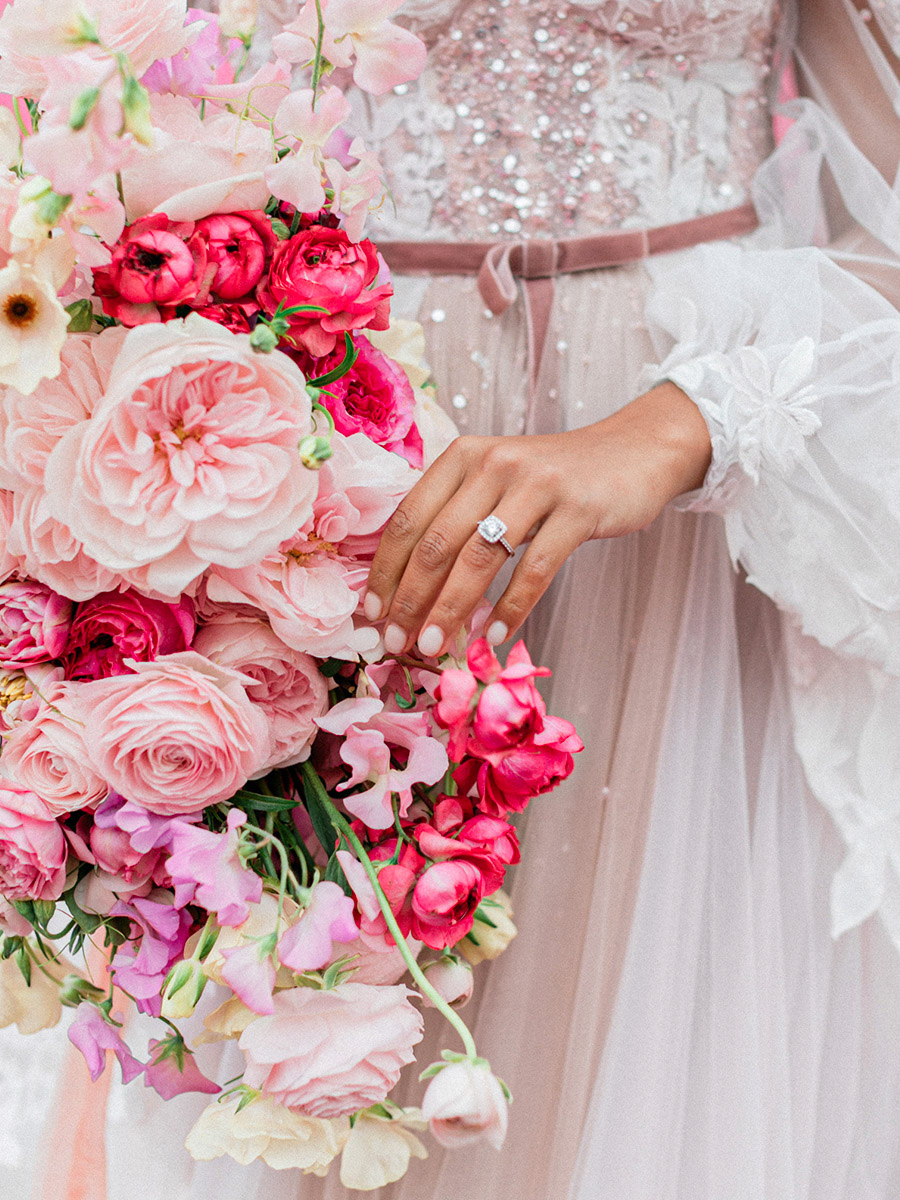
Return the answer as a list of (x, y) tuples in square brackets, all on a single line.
[(33, 322)]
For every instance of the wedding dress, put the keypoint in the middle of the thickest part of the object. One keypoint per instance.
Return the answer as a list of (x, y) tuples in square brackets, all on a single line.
[(703, 1002)]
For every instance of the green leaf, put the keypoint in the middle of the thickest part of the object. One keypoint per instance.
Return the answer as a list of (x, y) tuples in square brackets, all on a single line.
[(430, 1072), (321, 821), (88, 922), (246, 798), (343, 367), (334, 874), (23, 962), (280, 230), (81, 316), (331, 667)]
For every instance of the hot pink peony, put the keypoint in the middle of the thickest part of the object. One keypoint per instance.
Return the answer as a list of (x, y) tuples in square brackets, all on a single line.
[(330, 1053), (114, 626), (322, 266), (32, 846), (177, 735), (287, 684), (49, 754), (190, 459), (34, 623), (374, 398)]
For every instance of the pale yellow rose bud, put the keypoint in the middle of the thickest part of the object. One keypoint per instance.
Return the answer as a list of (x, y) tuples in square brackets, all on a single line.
[(182, 990), (489, 940)]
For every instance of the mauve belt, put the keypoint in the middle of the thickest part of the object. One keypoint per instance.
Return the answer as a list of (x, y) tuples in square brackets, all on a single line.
[(537, 262)]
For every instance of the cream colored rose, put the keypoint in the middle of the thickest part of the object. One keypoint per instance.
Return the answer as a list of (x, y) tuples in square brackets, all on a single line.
[(33, 1007), (229, 1020), (491, 942), (265, 1130), (379, 1149)]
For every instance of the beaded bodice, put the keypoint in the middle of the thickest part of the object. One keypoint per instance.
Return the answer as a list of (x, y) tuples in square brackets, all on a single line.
[(549, 117)]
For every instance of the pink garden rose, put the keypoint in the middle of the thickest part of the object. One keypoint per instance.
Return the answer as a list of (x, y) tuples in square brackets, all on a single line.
[(330, 1053), (177, 735), (156, 266), (9, 562), (34, 623), (32, 846), (49, 754), (287, 684), (465, 1102), (190, 459), (114, 626), (322, 266), (48, 550)]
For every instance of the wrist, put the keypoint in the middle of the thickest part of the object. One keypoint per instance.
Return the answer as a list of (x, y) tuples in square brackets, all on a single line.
[(671, 427)]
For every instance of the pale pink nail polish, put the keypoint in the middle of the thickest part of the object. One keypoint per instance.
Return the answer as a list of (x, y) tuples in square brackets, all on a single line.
[(497, 632), (394, 639), (430, 641), (372, 606)]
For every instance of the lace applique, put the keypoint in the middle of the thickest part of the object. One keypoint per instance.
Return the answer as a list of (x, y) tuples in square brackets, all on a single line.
[(564, 119)]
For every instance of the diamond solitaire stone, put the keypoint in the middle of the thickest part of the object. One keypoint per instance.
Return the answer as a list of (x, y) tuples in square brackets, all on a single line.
[(492, 528)]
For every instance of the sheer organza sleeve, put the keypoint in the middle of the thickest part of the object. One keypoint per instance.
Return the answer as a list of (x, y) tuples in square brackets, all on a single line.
[(790, 345)]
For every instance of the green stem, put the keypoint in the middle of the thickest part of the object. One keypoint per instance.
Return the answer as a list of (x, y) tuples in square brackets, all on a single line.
[(317, 61), (343, 826), (19, 121)]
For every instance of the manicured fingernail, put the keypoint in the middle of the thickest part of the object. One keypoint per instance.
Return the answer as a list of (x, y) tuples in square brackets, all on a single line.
[(372, 606), (394, 639), (497, 632), (430, 641)]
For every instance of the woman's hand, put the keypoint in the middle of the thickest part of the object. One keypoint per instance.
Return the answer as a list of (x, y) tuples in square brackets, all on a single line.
[(432, 567)]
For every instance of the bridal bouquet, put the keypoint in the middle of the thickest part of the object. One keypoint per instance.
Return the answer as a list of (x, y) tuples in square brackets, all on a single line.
[(212, 777)]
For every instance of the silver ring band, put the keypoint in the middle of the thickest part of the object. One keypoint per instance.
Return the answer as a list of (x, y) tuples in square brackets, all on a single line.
[(492, 530)]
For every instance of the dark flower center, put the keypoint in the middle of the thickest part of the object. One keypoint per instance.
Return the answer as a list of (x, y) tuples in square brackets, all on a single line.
[(20, 310)]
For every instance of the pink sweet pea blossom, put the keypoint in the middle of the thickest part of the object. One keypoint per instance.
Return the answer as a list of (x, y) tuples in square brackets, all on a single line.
[(207, 870), (355, 187), (194, 68), (158, 936), (385, 54), (93, 1036), (307, 944), (249, 971), (465, 1102), (190, 459), (331, 1053), (298, 177), (178, 734), (34, 624), (368, 734), (173, 1071), (32, 846)]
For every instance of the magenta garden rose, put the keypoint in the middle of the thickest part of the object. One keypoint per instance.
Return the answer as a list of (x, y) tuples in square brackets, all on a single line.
[(177, 735), (189, 459), (322, 266), (114, 626), (330, 1053)]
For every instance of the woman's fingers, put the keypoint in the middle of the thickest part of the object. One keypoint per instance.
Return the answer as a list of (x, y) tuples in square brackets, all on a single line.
[(557, 538), (408, 525)]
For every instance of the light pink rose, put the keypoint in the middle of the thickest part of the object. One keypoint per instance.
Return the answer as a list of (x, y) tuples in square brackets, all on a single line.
[(198, 167), (35, 31), (177, 735), (465, 1102), (30, 426), (32, 846), (48, 550), (330, 1053), (288, 685), (10, 564), (190, 459), (34, 623), (49, 755)]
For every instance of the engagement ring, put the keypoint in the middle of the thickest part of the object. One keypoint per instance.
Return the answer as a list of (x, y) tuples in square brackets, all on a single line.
[(492, 530)]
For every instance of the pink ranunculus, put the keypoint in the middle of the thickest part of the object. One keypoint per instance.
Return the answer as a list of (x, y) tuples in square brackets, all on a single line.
[(207, 870), (330, 1053), (374, 398), (465, 1102), (113, 626), (189, 460), (321, 266), (156, 266), (34, 33), (287, 684), (177, 735), (236, 317), (34, 623), (435, 846), (444, 902), (238, 245), (32, 846), (308, 944), (49, 754)]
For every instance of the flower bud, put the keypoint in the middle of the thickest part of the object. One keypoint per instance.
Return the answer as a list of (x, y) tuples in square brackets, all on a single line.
[(465, 1102), (82, 107), (74, 989), (452, 979), (237, 18), (182, 989), (314, 451), (492, 930), (263, 339), (81, 316), (136, 110)]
